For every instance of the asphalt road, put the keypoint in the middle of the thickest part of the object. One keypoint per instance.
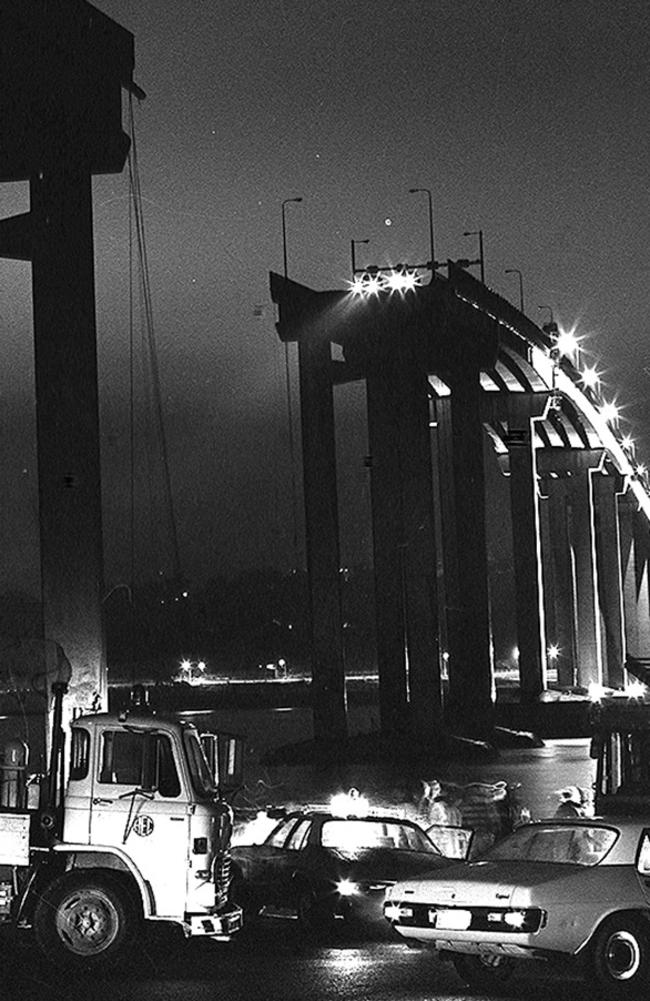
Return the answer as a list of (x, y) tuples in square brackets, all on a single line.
[(274, 962)]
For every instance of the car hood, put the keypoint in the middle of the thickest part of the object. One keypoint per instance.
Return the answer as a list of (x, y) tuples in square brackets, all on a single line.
[(388, 865), (486, 884)]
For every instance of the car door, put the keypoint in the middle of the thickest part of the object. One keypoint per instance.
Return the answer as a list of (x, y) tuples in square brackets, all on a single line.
[(271, 863)]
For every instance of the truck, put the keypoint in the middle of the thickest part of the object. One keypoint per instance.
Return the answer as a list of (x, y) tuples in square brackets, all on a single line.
[(620, 745), (136, 829)]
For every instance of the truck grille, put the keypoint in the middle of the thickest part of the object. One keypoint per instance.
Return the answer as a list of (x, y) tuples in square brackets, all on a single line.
[(221, 875)]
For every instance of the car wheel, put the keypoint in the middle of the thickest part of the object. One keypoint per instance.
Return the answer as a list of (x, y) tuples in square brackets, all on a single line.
[(484, 972), (315, 917), (620, 957), (240, 893)]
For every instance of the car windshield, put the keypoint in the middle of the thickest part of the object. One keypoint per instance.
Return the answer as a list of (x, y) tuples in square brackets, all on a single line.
[(356, 835), (564, 844)]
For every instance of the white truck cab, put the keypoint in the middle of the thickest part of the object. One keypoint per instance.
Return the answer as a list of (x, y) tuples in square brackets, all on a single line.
[(142, 834)]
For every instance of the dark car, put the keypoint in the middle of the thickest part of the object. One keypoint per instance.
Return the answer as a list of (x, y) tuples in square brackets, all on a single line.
[(321, 868)]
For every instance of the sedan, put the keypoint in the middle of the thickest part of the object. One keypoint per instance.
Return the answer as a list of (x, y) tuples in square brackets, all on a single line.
[(576, 890), (321, 868)]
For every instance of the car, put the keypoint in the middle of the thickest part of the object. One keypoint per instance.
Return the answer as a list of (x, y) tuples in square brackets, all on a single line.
[(575, 890), (323, 867)]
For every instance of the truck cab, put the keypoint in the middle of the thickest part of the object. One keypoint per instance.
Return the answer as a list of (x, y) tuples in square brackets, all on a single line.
[(141, 832)]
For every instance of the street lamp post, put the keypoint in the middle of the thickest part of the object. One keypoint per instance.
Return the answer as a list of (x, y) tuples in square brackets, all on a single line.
[(353, 244), (284, 230), (427, 192), (481, 258), (551, 326), (516, 271)]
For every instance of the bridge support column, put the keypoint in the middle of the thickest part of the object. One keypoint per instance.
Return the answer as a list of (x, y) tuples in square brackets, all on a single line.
[(404, 545), (635, 553), (527, 565), (322, 540), (577, 469), (470, 706), (558, 581), (610, 582)]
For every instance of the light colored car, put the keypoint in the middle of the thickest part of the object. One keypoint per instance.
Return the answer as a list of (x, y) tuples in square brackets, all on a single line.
[(551, 890)]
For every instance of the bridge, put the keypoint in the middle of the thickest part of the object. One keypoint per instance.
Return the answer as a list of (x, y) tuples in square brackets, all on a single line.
[(447, 366)]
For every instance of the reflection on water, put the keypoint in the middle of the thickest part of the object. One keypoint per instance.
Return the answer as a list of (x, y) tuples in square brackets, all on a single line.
[(540, 772)]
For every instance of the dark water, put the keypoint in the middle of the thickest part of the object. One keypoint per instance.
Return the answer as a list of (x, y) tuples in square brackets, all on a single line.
[(538, 772)]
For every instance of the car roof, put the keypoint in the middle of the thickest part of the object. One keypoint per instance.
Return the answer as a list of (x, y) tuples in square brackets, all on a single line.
[(327, 815)]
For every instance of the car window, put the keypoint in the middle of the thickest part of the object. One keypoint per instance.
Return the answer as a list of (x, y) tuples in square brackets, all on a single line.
[(355, 835), (579, 845), (298, 837), (643, 864), (278, 836)]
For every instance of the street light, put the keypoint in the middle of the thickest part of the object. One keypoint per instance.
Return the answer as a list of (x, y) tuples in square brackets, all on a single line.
[(353, 243), (427, 192), (551, 326), (481, 258), (516, 271), (284, 230)]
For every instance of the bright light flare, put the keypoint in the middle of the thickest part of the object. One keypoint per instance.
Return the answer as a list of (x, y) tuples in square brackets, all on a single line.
[(566, 343), (609, 412), (596, 692), (347, 888), (635, 690), (590, 377), (553, 651), (349, 804)]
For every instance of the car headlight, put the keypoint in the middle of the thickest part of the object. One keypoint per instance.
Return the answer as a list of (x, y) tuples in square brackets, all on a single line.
[(347, 888)]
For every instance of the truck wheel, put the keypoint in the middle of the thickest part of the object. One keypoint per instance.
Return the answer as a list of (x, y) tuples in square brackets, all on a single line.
[(620, 957), (484, 972), (86, 919)]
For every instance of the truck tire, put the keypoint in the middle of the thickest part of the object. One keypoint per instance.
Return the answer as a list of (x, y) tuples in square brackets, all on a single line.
[(86, 918), (620, 957)]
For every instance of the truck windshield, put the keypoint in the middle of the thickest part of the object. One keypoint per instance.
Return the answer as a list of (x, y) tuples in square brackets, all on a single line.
[(200, 775)]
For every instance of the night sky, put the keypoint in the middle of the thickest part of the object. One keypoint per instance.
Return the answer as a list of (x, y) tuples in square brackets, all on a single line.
[(526, 119)]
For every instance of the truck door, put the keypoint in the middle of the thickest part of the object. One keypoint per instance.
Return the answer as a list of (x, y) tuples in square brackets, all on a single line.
[(139, 805)]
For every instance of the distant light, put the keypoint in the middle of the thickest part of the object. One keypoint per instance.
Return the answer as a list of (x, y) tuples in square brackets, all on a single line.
[(635, 690), (515, 654), (388, 222), (627, 442), (372, 285), (641, 469), (186, 665), (553, 652), (609, 412), (590, 377), (200, 665)]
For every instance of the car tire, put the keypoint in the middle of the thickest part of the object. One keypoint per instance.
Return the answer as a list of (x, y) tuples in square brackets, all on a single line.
[(486, 973), (240, 893), (315, 917), (86, 920), (620, 957)]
